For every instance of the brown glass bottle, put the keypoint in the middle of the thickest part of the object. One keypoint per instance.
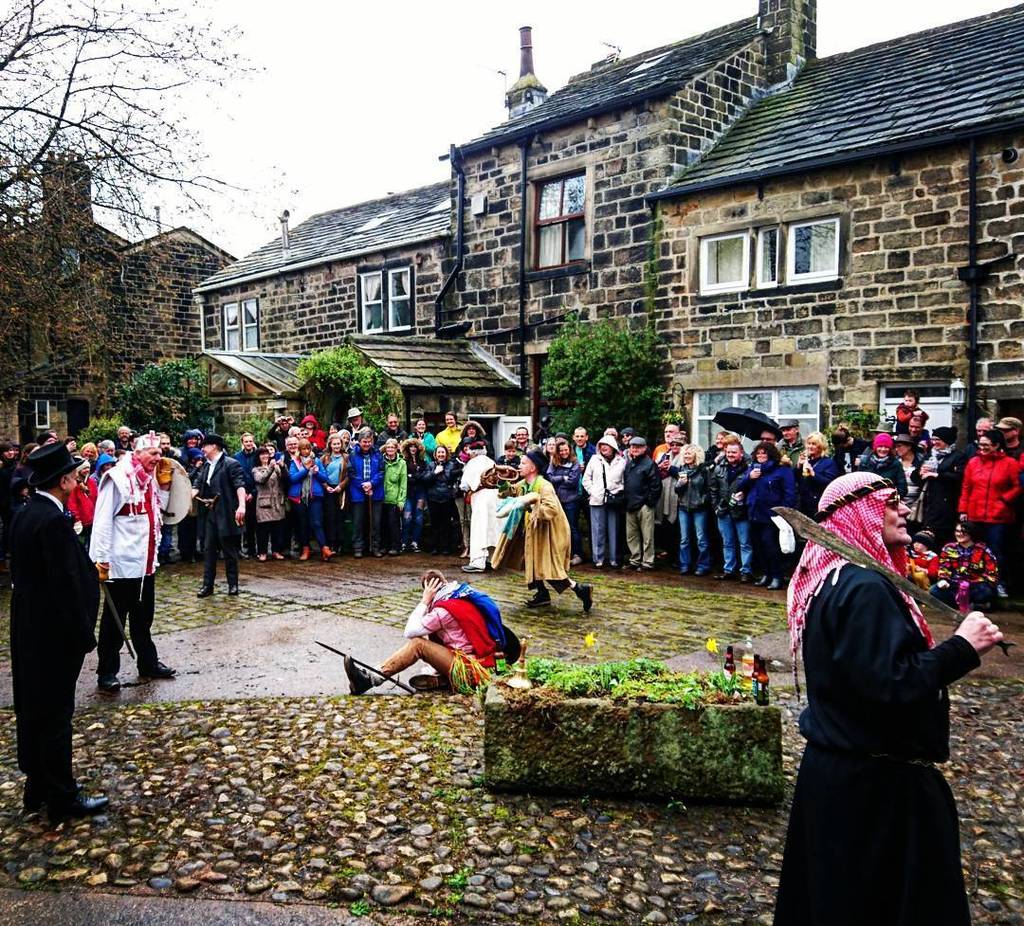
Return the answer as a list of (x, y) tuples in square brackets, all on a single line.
[(730, 662), (761, 682)]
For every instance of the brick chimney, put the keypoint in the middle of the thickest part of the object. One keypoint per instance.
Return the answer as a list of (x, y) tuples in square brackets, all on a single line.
[(67, 189), (791, 36), (528, 91)]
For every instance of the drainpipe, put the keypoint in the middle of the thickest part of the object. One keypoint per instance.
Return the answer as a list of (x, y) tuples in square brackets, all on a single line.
[(524, 146), (455, 155), (974, 274), (973, 284)]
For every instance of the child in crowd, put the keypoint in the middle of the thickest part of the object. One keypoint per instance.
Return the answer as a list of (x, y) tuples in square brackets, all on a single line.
[(923, 562), (967, 573)]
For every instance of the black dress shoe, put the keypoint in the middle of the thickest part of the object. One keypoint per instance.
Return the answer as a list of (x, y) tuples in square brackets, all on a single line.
[(232, 589), (539, 601), (79, 807), (205, 592), (585, 593), (158, 671), (359, 680), (108, 683), (726, 576)]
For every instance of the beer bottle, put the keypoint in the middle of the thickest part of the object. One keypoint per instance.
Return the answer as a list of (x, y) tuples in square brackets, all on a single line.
[(761, 684), (755, 676), (730, 663), (747, 662), (500, 666)]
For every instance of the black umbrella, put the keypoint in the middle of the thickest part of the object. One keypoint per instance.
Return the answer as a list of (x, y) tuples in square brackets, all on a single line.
[(747, 422)]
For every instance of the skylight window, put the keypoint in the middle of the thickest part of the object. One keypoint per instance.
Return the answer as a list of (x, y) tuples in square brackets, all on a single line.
[(648, 64), (376, 221)]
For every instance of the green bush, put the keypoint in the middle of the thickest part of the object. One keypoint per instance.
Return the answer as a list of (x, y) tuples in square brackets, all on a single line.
[(257, 425), (99, 429), (168, 396), (610, 374), (344, 371)]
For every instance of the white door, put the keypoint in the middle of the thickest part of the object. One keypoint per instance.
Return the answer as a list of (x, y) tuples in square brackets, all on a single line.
[(934, 400), (507, 426)]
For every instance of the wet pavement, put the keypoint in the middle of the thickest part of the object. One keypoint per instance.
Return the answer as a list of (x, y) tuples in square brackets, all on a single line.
[(248, 790)]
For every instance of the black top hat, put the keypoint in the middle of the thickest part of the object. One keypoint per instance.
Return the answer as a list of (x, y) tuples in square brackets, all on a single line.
[(212, 438), (51, 461)]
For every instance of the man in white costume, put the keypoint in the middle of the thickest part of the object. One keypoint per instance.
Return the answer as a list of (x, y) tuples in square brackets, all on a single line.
[(483, 525), (124, 545)]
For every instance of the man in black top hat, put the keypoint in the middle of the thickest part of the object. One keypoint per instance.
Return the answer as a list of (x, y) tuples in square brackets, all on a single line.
[(53, 619), (220, 488)]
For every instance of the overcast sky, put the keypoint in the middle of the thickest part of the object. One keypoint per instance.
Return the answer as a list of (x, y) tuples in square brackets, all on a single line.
[(353, 101)]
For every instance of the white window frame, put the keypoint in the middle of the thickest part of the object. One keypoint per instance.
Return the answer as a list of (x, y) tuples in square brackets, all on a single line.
[(237, 327), (42, 422), (398, 271), (363, 303), (733, 286), (762, 233), (247, 328), (813, 277), (807, 425)]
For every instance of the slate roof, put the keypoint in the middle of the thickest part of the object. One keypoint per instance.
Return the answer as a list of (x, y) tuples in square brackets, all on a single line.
[(276, 373), (945, 83), (653, 73), (416, 215), (429, 364)]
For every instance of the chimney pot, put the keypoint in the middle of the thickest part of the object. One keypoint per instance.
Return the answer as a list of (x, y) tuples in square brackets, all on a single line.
[(528, 91), (285, 242)]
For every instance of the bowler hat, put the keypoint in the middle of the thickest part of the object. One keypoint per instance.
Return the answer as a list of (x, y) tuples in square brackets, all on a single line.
[(51, 461), (538, 459), (212, 438)]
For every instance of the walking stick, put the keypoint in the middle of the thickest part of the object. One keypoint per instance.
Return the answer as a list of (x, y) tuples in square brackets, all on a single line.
[(108, 595), (363, 665)]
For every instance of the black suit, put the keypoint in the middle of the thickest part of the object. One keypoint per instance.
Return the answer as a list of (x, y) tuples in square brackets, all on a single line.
[(222, 534), (53, 619)]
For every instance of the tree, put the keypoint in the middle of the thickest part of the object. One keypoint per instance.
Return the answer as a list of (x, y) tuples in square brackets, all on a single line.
[(344, 371), (168, 396), (608, 373), (90, 115)]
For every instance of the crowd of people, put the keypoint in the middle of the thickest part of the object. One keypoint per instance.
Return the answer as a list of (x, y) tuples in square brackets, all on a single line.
[(304, 491)]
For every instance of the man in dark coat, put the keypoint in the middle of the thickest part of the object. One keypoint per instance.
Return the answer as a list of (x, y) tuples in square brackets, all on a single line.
[(941, 476), (873, 832), (220, 487), (642, 490), (53, 619)]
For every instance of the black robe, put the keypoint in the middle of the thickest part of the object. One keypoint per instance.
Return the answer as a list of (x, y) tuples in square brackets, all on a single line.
[(873, 834), (53, 618)]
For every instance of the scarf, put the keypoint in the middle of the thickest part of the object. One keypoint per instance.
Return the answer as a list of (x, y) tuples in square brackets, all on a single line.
[(858, 521)]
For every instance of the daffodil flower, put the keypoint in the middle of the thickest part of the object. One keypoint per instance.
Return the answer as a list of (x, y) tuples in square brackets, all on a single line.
[(589, 640), (712, 645)]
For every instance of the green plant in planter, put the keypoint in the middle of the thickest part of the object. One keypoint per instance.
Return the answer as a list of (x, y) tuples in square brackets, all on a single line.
[(635, 679)]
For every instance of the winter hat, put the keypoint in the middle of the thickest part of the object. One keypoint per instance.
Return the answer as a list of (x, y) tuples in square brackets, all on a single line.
[(882, 440), (105, 459), (946, 435), (925, 537)]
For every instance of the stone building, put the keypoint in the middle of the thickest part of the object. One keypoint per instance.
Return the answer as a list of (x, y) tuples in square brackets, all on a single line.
[(144, 313), (368, 275), (850, 230)]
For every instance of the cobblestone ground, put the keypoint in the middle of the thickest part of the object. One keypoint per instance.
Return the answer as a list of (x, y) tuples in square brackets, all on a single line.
[(375, 805)]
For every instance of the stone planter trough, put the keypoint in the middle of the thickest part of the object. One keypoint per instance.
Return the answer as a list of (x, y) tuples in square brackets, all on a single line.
[(721, 753)]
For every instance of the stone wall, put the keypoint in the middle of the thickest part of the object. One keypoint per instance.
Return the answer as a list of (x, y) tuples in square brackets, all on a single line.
[(625, 155), (897, 312), (316, 307)]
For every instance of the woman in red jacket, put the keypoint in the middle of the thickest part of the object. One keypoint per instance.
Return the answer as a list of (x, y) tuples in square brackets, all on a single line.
[(82, 503), (991, 486)]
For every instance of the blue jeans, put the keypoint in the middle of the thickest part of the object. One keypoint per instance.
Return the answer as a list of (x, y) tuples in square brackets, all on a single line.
[(698, 520), (572, 511), (994, 536), (979, 593), (412, 518), (166, 536), (309, 522), (736, 543), (604, 534)]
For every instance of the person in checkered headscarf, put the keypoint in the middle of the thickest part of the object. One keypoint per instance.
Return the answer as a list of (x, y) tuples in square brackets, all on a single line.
[(873, 833)]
